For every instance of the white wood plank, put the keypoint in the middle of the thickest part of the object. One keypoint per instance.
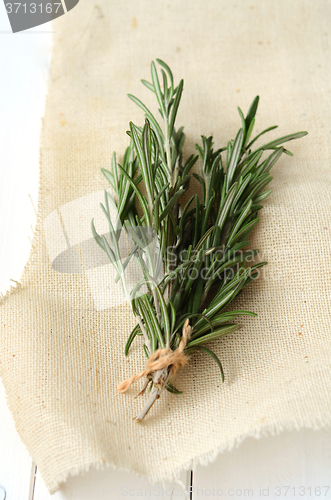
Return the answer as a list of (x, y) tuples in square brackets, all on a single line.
[(24, 60), (24, 66), (110, 484), (15, 461), (292, 465)]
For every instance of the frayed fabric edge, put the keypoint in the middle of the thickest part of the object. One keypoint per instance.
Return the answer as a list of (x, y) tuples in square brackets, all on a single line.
[(203, 459)]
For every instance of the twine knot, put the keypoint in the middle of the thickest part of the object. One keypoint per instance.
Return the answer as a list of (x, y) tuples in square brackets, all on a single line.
[(162, 358)]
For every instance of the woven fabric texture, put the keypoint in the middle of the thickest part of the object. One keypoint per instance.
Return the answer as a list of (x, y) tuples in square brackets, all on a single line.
[(61, 350)]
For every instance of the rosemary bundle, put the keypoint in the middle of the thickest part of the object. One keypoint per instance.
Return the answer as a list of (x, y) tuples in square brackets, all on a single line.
[(194, 257)]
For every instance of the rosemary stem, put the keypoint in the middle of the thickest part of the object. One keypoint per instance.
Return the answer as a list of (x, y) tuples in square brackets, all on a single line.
[(160, 380), (152, 398), (125, 288)]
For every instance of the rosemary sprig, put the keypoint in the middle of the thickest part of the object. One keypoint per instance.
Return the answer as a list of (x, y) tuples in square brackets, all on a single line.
[(201, 243)]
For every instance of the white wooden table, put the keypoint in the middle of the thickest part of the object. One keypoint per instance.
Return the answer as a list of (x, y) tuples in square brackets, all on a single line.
[(292, 465)]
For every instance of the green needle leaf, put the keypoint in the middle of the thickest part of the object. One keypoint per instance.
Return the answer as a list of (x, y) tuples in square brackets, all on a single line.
[(157, 88), (235, 155), (171, 388), (149, 115), (175, 106), (221, 332), (252, 112), (213, 356), (140, 197), (131, 338)]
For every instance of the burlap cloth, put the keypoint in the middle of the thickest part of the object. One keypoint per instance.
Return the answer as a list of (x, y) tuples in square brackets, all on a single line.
[(61, 355)]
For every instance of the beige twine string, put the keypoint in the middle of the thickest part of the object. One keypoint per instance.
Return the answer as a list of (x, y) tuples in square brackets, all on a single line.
[(162, 358)]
